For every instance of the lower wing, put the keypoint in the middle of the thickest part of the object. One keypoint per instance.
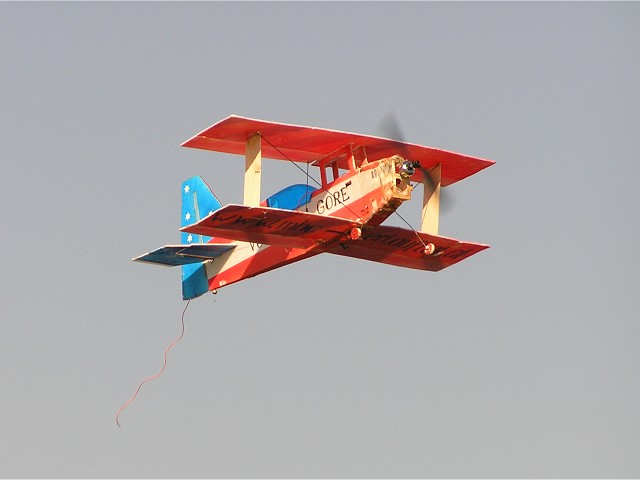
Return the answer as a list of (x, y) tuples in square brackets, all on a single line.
[(406, 248), (272, 226)]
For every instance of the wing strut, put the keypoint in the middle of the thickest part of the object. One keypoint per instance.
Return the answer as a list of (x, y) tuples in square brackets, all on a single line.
[(431, 201), (253, 170)]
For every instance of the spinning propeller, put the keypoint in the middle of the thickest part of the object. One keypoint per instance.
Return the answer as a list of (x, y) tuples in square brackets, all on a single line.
[(391, 129)]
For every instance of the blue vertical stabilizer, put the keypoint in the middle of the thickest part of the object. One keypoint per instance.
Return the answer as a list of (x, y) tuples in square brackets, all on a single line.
[(198, 201)]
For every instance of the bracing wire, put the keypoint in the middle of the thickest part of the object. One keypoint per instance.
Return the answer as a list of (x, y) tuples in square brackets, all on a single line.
[(322, 187), (153, 377), (405, 221), (306, 206), (411, 227), (294, 163)]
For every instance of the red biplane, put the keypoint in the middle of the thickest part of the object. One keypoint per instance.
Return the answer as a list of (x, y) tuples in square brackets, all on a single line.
[(364, 179)]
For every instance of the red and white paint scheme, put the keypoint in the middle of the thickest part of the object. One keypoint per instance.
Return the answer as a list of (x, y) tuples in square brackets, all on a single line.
[(364, 179)]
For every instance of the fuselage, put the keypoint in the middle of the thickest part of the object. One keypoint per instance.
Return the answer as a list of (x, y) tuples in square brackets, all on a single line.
[(368, 195)]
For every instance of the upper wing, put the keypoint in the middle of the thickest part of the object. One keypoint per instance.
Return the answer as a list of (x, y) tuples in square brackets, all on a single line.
[(406, 248), (174, 255), (306, 144), (272, 226)]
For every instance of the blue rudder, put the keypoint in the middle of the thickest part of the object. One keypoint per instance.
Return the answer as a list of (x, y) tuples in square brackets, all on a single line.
[(198, 201)]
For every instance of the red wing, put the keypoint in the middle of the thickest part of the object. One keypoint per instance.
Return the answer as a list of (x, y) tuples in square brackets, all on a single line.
[(406, 248), (307, 144), (272, 226)]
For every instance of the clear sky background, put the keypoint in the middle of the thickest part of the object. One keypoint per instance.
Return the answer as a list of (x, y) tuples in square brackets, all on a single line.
[(521, 361)]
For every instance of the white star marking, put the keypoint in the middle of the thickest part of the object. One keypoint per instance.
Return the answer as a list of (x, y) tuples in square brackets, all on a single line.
[(186, 189), (187, 216), (190, 238)]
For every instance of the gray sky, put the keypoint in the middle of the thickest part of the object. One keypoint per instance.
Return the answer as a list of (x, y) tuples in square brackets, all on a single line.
[(521, 361)]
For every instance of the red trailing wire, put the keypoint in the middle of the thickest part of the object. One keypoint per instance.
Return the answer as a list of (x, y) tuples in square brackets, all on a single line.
[(153, 377)]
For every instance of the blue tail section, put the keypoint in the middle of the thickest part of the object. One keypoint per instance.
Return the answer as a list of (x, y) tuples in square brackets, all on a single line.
[(198, 201)]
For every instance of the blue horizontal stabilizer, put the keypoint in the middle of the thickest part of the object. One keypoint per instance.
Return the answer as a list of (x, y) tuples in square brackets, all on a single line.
[(174, 255)]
